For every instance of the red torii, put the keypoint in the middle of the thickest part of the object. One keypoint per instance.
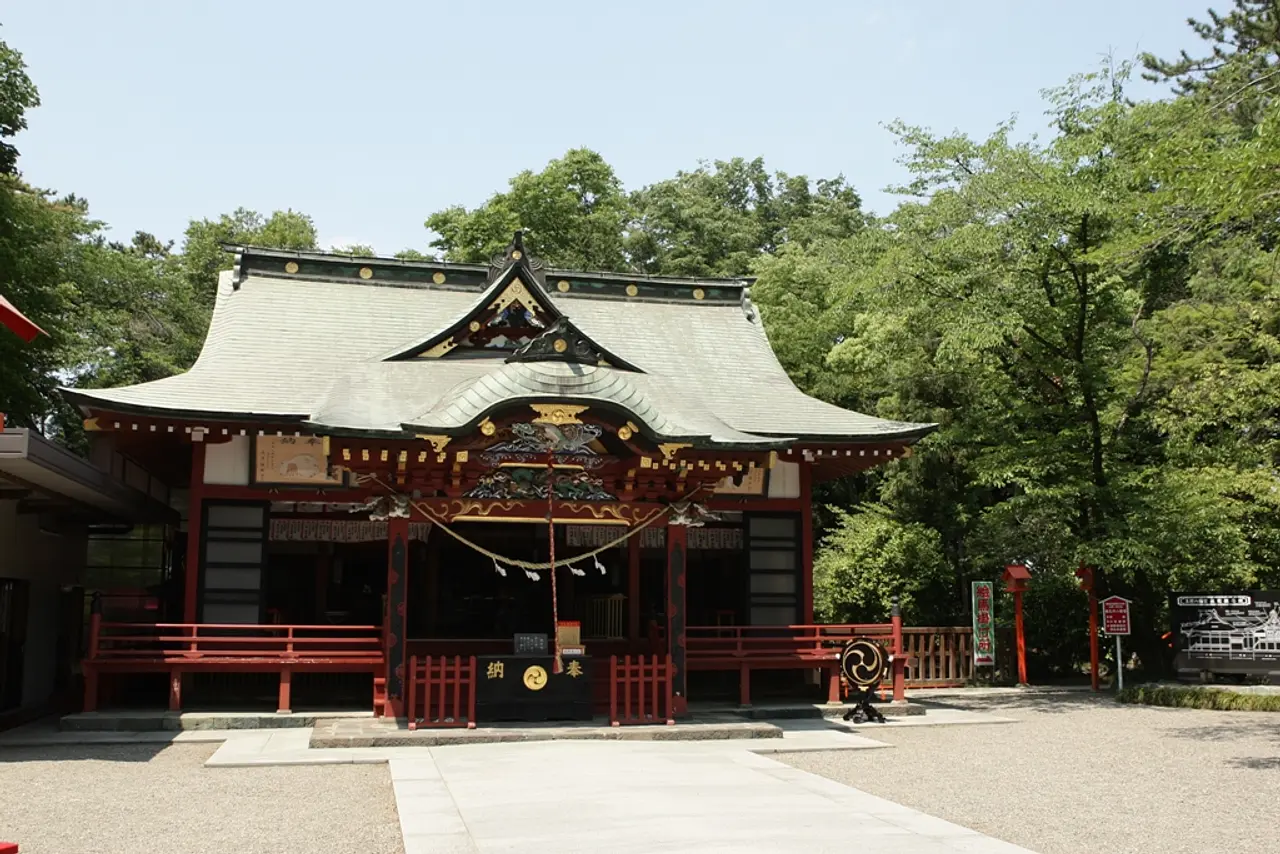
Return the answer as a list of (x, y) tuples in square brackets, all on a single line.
[(18, 322)]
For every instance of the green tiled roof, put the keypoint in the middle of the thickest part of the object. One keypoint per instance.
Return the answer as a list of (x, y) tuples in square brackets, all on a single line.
[(320, 340)]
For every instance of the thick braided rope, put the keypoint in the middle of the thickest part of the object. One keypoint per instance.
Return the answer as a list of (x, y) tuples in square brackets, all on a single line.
[(524, 564)]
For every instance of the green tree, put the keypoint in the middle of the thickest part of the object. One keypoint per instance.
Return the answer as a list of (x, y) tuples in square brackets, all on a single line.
[(1241, 72), (720, 218), (17, 95), (203, 257), (359, 249), (573, 214)]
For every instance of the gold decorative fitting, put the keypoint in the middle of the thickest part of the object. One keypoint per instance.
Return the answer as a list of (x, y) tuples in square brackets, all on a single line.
[(516, 254), (438, 278), (514, 292), (440, 349), (624, 433), (560, 345), (557, 413), (670, 449), (462, 456), (699, 293), (437, 442), (291, 267), (474, 326), (325, 445), (562, 286), (91, 424), (366, 273), (488, 428), (632, 290)]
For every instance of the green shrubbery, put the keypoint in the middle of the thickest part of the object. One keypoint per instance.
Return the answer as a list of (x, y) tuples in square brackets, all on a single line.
[(1200, 698)]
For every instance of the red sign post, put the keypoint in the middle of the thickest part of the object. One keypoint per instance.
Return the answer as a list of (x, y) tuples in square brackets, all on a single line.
[(1115, 621)]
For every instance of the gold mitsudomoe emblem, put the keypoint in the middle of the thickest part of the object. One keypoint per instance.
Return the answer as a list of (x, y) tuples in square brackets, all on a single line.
[(535, 678)]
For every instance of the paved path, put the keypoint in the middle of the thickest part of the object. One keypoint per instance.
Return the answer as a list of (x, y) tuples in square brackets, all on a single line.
[(620, 797), (585, 797)]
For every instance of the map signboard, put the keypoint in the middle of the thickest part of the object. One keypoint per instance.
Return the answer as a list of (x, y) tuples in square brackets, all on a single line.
[(1236, 632)]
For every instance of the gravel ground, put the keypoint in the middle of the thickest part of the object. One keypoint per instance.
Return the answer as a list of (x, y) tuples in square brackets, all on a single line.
[(141, 799), (1079, 774)]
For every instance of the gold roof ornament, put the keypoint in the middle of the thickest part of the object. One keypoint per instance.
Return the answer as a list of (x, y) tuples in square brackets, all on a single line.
[(488, 428), (291, 267), (438, 278), (437, 442), (557, 413), (670, 449)]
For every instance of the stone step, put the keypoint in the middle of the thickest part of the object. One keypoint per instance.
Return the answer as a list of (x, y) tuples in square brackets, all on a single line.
[(163, 721)]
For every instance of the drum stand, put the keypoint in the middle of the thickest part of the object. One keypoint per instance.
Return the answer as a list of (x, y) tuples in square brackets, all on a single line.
[(863, 711)]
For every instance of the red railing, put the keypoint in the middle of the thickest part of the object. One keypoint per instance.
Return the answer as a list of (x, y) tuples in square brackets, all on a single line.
[(179, 648), (814, 640), (640, 690), (188, 643), (444, 688), (805, 646)]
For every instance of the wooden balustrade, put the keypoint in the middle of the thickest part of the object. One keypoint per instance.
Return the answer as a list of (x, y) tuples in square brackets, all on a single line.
[(640, 690), (940, 656), (180, 648), (444, 688), (189, 642)]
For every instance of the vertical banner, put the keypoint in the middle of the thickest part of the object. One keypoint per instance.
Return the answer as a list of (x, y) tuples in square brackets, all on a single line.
[(984, 637)]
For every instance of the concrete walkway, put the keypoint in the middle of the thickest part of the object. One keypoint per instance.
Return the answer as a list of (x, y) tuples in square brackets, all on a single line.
[(615, 796), (649, 797)]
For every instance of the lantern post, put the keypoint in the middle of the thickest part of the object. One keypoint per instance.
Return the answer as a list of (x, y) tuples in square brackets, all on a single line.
[(1016, 576), (1086, 576)]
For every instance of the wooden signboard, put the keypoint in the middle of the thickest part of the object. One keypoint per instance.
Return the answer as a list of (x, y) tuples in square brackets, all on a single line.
[(752, 484), (292, 461)]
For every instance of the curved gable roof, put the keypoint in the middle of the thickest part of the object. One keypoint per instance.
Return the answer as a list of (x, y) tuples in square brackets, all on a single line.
[(313, 347)]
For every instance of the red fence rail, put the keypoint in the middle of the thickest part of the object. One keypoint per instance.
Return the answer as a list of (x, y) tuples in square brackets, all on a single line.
[(179, 648), (190, 642), (444, 689), (640, 690), (811, 639)]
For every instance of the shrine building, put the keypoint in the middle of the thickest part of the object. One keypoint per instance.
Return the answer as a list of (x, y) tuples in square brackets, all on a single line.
[(405, 484)]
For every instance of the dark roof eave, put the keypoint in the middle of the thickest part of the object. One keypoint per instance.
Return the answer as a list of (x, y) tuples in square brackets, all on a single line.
[(604, 275), (905, 436), (86, 401)]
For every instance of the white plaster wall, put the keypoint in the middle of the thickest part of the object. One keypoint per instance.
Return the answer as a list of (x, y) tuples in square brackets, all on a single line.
[(227, 463), (784, 480)]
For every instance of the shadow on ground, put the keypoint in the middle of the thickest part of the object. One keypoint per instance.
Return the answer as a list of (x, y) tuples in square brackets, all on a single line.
[(1058, 703), (10, 754)]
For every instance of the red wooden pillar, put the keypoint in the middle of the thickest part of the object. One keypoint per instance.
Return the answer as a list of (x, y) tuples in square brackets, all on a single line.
[(806, 542), (91, 672), (394, 619), (1020, 637), (633, 589), (1086, 576), (1016, 576), (195, 517), (899, 660), (677, 564)]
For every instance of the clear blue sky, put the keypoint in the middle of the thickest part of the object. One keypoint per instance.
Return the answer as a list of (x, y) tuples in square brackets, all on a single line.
[(370, 115)]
